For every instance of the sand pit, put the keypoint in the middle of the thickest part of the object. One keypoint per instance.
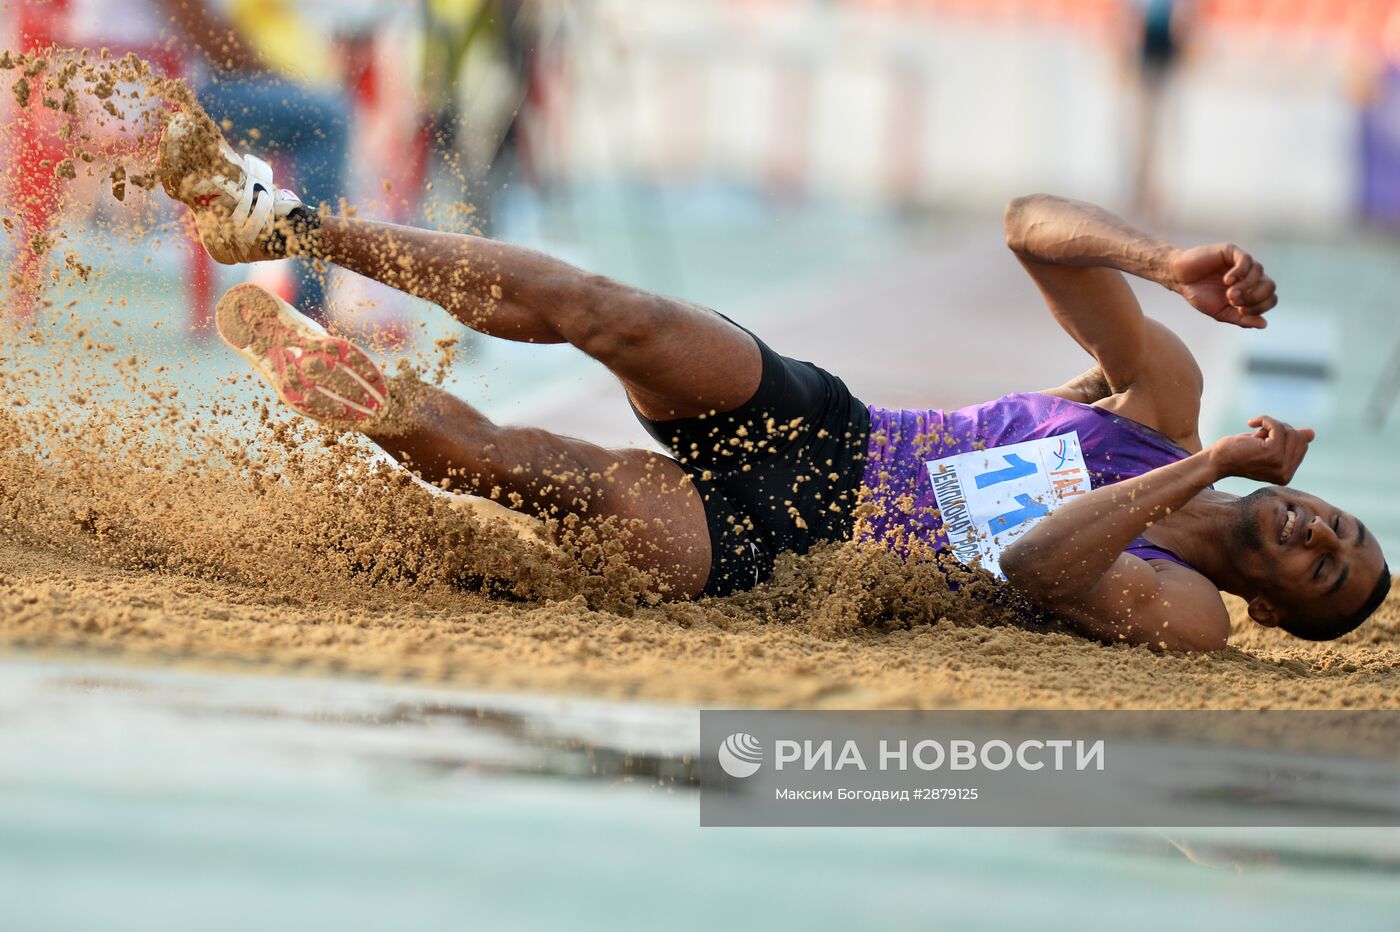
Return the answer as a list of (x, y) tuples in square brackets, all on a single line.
[(712, 655), (141, 522)]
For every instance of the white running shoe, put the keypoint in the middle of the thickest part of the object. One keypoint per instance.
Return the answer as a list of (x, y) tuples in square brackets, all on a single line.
[(241, 215), (323, 377)]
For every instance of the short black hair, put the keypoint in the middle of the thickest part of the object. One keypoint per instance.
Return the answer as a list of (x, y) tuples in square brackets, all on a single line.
[(1313, 629)]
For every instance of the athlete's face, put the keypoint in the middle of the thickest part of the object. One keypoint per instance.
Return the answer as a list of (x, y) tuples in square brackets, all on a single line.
[(1305, 557)]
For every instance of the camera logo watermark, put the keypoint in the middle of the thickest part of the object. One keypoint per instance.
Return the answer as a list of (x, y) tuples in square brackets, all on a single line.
[(740, 755)]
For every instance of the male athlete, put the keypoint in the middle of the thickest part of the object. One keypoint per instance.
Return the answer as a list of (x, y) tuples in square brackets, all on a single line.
[(771, 454)]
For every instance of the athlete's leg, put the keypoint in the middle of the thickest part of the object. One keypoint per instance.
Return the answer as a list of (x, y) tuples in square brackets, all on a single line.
[(675, 359), (647, 496), (243, 217)]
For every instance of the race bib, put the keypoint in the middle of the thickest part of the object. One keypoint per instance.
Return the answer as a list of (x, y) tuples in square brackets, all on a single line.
[(988, 498)]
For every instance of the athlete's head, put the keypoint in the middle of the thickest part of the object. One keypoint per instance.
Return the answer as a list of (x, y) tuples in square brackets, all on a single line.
[(1315, 570)]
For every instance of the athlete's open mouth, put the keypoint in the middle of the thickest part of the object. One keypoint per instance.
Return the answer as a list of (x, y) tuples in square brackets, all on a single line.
[(1290, 524)]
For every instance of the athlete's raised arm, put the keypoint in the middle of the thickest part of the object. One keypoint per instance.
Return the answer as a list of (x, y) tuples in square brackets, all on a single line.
[(1077, 254), (1073, 562)]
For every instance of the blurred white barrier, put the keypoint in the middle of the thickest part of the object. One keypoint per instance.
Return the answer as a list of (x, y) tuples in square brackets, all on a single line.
[(837, 103), (1263, 131), (881, 109), (1022, 110)]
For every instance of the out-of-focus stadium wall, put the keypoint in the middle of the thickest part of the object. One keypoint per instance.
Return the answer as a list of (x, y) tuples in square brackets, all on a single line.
[(1264, 122), (956, 103)]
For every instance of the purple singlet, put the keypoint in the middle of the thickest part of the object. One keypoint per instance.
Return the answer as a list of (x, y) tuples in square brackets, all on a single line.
[(897, 481)]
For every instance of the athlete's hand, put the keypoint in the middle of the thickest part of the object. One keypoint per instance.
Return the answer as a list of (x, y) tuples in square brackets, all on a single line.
[(1271, 453), (1225, 282)]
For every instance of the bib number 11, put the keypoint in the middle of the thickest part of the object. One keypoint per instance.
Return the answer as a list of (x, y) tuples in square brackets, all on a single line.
[(988, 498), (1030, 510)]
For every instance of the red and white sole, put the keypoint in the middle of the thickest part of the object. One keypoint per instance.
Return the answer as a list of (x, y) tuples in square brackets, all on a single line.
[(323, 377)]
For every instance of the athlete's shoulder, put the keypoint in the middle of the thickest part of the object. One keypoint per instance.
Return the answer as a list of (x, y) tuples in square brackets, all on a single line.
[(1166, 395)]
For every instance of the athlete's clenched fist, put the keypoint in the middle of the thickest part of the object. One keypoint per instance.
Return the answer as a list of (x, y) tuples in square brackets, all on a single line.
[(1225, 282), (1271, 453)]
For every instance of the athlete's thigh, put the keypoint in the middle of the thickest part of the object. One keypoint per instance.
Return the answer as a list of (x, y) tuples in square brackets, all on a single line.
[(684, 360)]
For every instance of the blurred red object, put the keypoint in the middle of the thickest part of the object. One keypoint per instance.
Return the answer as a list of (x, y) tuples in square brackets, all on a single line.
[(35, 189)]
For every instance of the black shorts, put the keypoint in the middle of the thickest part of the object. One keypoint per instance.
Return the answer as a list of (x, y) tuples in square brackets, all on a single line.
[(781, 472)]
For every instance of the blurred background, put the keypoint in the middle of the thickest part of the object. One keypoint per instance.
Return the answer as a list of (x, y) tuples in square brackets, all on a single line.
[(830, 173)]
